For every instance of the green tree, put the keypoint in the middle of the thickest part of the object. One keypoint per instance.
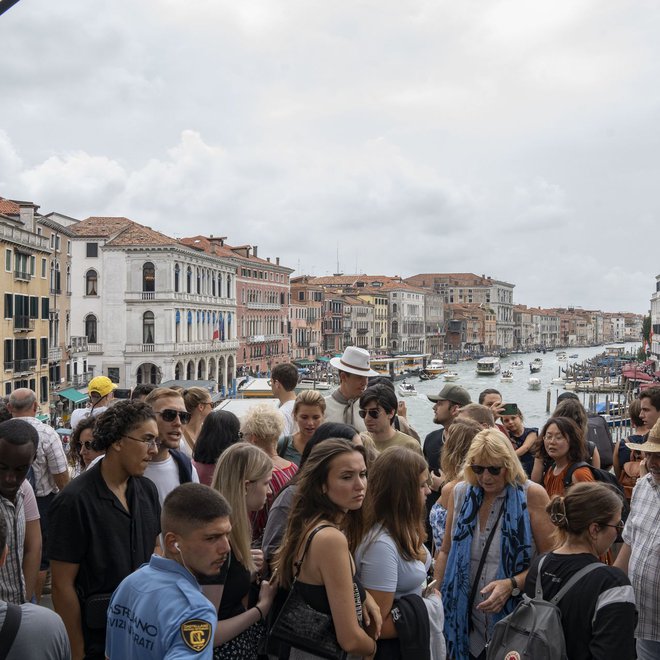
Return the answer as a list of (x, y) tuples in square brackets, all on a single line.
[(646, 329)]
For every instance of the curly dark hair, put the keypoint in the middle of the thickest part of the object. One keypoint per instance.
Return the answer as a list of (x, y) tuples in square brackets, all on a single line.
[(75, 445), (577, 446), (118, 420)]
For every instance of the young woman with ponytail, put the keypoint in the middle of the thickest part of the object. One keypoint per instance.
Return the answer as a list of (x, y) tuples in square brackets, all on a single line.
[(598, 614)]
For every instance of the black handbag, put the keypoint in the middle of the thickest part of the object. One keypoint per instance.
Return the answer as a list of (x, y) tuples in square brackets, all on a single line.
[(302, 627)]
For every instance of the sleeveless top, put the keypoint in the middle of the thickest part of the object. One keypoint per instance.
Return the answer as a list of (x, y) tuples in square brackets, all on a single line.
[(526, 460)]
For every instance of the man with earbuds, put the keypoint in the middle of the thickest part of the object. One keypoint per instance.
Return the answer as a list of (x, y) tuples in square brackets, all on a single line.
[(160, 611)]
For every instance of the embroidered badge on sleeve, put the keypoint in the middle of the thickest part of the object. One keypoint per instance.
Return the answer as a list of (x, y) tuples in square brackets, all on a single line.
[(196, 633)]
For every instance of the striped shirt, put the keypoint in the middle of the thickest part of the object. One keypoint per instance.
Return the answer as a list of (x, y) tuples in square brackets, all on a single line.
[(17, 513), (50, 458), (280, 478), (642, 534)]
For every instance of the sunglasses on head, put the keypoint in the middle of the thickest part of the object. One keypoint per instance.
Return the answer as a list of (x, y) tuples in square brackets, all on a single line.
[(372, 412), (170, 415), (492, 469)]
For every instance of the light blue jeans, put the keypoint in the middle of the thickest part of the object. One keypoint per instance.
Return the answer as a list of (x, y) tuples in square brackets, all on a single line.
[(647, 649)]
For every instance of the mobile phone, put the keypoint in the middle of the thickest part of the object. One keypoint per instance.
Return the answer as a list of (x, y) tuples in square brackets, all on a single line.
[(428, 589), (509, 409)]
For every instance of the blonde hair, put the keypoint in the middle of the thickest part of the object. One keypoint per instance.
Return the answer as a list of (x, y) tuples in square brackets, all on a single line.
[(493, 447), (265, 423), (458, 439), (240, 463), (309, 398), (195, 396), (163, 393)]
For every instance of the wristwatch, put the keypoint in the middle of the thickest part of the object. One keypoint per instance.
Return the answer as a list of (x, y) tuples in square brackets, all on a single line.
[(515, 591)]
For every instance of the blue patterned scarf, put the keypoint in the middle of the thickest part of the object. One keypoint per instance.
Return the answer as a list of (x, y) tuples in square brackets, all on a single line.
[(515, 555)]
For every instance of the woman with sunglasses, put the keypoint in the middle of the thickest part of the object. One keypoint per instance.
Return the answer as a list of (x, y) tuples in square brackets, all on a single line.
[(496, 520), (199, 405), (308, 414), (82, 451), (242, 476), (598, 614)]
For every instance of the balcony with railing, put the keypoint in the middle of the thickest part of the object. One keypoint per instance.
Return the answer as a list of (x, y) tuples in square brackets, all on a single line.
[(22, 366), (78, 345), (177, 296), (181, 348), (23, 323), (263, 305), (55, 354), (82, 380), (95, 349), (22, 276)]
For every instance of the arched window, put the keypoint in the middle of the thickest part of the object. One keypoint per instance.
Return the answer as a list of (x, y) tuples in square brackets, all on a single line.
[(213, 285), (91, 329), (228, 286), (395, 327), (91, 283), (177, 275), (219, 285), (68, 279), (148, 328), (189, 280), (148, 277), (199, 281)]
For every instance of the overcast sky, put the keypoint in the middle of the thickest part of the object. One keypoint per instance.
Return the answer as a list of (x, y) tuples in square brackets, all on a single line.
[(510, 138)]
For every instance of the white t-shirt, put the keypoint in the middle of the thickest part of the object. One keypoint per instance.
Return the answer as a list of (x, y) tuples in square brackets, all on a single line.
[(80, 413), (287, 412), (165, 474)]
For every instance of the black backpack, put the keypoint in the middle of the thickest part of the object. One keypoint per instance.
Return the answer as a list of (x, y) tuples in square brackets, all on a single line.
[(533, 631), (599, 475)]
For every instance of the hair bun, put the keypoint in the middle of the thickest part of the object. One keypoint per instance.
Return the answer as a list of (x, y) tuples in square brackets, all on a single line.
[(557, 512)]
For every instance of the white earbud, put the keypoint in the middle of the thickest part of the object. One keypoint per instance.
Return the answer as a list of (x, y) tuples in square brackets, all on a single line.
[(177, 548)]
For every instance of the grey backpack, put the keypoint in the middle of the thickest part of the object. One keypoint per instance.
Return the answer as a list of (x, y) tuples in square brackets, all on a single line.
[(533, 631)]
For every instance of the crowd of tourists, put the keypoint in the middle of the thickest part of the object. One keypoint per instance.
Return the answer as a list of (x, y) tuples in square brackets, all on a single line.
[(325, 528)]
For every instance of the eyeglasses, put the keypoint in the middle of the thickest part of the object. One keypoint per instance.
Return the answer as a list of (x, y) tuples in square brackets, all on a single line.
[(169, 415), (492, 469), (372, 412), (619, 526), (87, 445), (556, 438), (151, 442), (207, 403)]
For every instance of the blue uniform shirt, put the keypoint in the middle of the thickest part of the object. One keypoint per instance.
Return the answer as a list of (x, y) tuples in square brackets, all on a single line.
[(158, 613)]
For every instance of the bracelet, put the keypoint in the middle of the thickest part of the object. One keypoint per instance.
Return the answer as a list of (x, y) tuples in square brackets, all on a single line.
[(261, 614)]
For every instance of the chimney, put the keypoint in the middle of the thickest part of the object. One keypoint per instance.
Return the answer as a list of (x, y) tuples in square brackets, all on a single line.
[(277, 261), (254, 250), (268, 259), (26, 214)]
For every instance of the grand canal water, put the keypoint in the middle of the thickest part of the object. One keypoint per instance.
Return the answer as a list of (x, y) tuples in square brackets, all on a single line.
[(531, 403)]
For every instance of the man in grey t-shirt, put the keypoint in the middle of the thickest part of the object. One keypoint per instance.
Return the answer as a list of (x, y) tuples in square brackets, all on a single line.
[(41, 634)]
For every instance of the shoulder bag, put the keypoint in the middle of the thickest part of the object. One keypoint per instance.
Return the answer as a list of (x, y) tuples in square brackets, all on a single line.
[(302, 627)]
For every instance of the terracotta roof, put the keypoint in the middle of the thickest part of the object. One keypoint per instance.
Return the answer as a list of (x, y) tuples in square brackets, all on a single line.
[(456, 279), (100, 227), (352, 300), (136, 234), (349, 280), (8, 206), (213, 247)]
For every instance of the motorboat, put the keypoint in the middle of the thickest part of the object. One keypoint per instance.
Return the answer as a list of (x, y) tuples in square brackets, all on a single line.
[(436, 367), (450, 376), (562, 356), (407, 389), (425, 375), (558, 381), (535, 365), (507, 376), (488, 366), (573, 356), (517, 364), (534, 383)]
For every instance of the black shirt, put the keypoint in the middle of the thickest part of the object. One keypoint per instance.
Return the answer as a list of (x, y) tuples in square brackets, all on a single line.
[(236, 579), (597, 625), (432, 452), (89, 526)]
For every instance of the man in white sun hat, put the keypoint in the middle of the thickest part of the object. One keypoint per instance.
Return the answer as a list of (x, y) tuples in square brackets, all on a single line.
[(343, 404), (640, 555)]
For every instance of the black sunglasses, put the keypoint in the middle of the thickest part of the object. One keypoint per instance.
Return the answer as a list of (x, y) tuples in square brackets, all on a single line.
[(170, 415), (88, 445), (492, 469), (372, 412)]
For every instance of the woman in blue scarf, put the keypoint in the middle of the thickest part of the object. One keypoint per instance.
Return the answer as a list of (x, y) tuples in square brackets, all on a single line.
[(498, 522)]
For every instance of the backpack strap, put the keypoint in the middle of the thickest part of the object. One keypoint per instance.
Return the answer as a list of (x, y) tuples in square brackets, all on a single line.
[(10, 629), (183, 464), (576, 578), (568, 479), (298, 564)]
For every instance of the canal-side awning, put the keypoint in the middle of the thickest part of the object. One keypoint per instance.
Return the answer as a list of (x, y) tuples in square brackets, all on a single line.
[(304, 363), (73, 394)]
